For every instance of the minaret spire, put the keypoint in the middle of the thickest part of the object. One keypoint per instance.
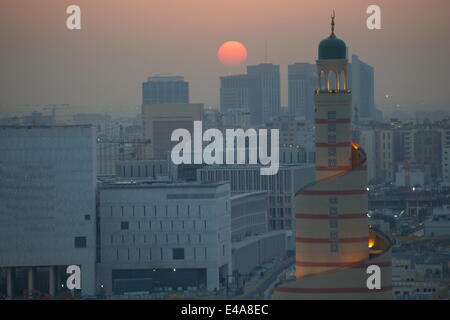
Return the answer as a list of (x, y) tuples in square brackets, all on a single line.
[(332, 25)]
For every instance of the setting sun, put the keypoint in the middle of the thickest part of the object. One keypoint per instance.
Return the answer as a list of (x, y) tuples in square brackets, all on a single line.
[(232, 53)]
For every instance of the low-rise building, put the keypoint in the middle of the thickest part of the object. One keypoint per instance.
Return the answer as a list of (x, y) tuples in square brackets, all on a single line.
[(163, 236)]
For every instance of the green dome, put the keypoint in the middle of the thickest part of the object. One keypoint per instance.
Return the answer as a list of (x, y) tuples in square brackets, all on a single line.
[(332, 48)]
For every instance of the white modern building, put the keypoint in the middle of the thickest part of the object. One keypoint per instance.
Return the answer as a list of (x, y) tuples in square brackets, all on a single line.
[(47, 207), (163, 236), (409, 176), (252, 244)]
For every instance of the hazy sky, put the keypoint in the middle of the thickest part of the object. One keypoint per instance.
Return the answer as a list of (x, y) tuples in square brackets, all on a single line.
[(122, 42)]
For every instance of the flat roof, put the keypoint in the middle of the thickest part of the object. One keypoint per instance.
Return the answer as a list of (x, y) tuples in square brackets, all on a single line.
[(45, 126), (130, 183), (236, 196)]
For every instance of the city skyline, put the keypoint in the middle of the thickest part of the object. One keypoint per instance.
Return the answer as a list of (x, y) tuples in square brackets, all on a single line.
[(224, 150), (101, 66)]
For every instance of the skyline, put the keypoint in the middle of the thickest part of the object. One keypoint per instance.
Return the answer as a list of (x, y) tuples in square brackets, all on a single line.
[(102, 66), (181, 202)]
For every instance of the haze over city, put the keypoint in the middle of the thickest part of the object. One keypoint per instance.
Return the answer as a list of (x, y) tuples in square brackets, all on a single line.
[(230, 152), (100, 68)]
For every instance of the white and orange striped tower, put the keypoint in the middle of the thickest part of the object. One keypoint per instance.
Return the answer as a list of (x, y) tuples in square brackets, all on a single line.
[(333, 241)]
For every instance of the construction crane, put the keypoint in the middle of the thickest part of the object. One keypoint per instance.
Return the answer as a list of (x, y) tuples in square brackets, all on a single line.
[(53, 108)]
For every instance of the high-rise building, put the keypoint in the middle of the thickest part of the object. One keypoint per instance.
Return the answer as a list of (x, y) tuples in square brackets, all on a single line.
[(334, 245), (234, 103), (165, 89), (160, 120), (47, 207), (361, 82), (302, 79), (264, 92)]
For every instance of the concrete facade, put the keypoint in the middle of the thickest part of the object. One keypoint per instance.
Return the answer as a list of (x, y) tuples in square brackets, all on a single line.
[(47, 201), (160, 120), (175, 229)]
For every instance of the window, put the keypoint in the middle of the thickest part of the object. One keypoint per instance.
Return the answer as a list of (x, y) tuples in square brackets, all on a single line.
[(332, 200), (331, 152), (333, 224), (178, 253), (80, 242), (333, 236), (124, 225), (332, 127), (333, 211), (331, 115), (87, 217), (332, 138), (334, 247), (331, 163)]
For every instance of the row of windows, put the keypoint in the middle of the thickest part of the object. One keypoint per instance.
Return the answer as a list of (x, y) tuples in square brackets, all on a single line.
[(333, 224), (248, 180), (153, 239), (158, 254), (155, 210), (179, 225)]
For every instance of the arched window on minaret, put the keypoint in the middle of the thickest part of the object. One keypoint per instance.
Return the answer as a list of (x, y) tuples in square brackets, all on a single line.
[(343, 80), (333, 80), (322, 80)]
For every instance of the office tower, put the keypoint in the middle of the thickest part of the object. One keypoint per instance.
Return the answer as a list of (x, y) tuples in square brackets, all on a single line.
[(47, 206), (160, 120), (302, 79), (361, 82), (334, 245), (234, 100), (264, 92), (165, 89)]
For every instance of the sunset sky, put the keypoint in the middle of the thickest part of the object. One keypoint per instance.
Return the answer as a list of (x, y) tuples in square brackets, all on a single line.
[(122, 42)]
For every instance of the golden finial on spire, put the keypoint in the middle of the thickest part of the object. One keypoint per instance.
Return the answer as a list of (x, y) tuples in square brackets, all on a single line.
[(332, 25)]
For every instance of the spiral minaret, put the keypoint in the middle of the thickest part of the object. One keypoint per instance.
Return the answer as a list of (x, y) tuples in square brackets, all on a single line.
[(334, 245)]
